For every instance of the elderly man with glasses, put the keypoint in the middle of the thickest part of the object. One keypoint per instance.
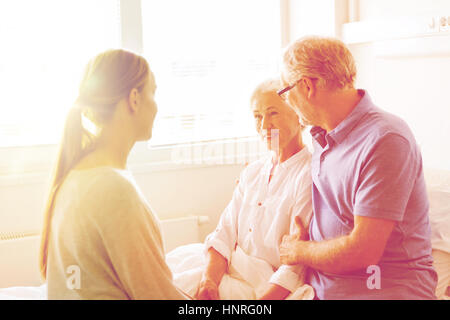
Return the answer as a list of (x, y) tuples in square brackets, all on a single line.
[(370, 231)]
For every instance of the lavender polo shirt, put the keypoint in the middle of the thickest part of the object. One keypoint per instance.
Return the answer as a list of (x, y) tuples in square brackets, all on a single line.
[(370, 165)]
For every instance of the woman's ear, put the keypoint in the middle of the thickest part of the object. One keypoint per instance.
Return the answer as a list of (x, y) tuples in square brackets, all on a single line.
[(133, 100)]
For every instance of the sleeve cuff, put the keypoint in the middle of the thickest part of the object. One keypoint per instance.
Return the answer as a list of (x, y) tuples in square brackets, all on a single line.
[(286, 277), (219, 246), (380, 213)]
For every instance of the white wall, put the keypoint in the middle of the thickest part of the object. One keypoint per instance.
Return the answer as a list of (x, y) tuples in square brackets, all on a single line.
[(319, 17), (172, 193), (201, 191), (370, 9), (413, 82)]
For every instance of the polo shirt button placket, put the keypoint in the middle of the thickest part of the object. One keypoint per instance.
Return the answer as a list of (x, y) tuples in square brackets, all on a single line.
[(322, 156)]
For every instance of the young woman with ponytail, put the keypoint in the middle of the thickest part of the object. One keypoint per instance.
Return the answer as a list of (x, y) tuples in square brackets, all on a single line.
[(100, 239)]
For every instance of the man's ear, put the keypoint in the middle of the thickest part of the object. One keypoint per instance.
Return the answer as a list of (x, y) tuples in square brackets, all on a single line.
[(309, 87), (133, 100)]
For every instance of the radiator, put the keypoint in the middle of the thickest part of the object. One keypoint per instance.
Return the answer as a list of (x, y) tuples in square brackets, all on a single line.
[(19, 251), (179, 231)]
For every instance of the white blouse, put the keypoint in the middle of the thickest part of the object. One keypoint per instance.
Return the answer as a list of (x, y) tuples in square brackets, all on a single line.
[(262, 212)]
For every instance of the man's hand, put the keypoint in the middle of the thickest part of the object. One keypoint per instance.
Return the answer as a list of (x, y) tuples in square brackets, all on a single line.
[(363, 247), (207, 290), (289, 244)]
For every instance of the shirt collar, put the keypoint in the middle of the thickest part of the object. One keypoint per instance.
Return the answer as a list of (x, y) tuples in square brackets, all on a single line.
[(293, 159), (342, 130), (318, 134)]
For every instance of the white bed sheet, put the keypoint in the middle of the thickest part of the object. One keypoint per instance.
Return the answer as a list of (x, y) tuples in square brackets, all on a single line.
[(247, 277), (186, 263), (24, 293)]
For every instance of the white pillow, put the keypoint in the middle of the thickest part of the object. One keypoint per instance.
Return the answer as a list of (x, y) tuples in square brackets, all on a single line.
[(440, 219), (438, 186)]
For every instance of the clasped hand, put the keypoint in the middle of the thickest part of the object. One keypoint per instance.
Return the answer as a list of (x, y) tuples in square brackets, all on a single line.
[(289, 244)]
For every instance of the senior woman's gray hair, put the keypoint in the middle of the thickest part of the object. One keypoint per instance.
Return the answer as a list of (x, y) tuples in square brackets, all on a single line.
[(268, 85)]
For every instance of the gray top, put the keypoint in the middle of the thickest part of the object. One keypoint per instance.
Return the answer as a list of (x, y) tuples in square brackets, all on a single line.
[(105, 243)]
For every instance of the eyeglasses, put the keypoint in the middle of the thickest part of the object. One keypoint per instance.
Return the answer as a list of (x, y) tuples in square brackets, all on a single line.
[(281, 93)]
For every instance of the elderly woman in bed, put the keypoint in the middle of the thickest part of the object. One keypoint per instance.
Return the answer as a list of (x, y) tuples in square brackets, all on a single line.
[(271, 194)]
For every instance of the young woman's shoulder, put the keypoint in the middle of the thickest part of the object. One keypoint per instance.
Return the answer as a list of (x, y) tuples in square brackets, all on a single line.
[(105, 180), (105, 189)]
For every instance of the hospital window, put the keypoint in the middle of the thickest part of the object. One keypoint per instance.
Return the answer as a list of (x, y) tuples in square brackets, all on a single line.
[(207, 56), (44, 47)]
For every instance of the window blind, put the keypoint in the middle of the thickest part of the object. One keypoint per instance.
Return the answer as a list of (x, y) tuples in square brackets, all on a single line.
[(45, 47), (207, 57)]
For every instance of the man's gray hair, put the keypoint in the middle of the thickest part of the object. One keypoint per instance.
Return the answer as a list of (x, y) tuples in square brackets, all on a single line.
[(323, 58)]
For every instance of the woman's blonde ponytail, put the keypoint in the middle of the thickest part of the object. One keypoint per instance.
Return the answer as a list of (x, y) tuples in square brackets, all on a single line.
[(108, 78)]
